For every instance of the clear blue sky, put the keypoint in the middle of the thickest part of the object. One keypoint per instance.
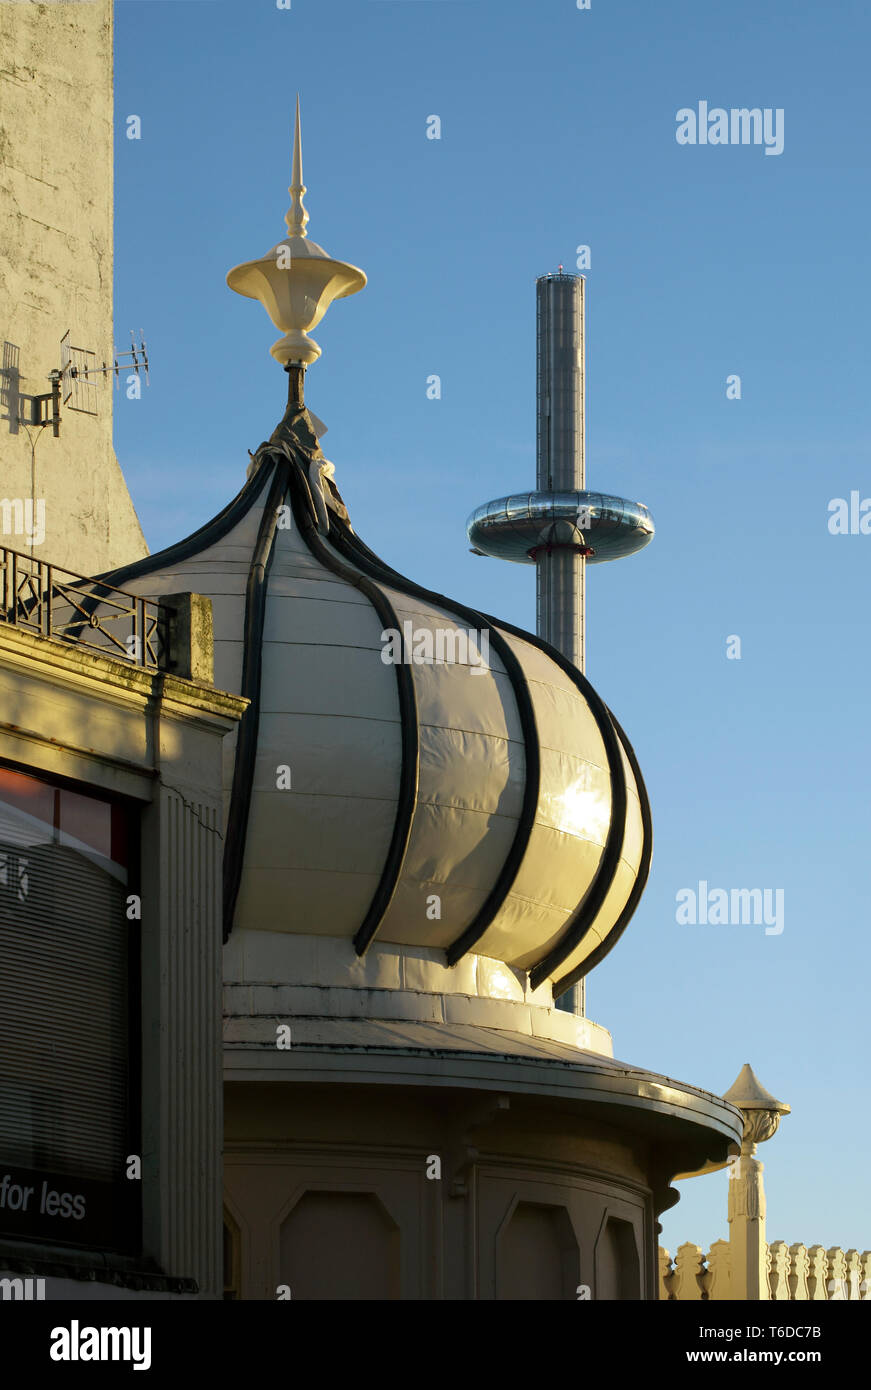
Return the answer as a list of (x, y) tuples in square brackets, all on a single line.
[(558, 128)]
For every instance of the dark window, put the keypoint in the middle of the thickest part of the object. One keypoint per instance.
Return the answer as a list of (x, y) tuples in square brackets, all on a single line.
[(67, 1107)]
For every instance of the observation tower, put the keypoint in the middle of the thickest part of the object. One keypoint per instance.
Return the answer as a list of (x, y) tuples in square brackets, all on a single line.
[(561, 527)]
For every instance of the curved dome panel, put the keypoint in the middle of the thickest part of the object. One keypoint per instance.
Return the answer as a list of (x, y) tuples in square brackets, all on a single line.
[(483, 801)]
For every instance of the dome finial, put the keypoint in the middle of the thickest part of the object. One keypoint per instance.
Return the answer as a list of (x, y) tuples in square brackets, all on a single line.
[(296, 281), (297, 216)]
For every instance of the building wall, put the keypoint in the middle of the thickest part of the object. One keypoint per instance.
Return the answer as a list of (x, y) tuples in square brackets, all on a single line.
[(155, 740), (332, 1193), (56, 253)]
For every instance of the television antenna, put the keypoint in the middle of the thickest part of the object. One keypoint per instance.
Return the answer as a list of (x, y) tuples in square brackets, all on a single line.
[(81, 374), (77, 381)]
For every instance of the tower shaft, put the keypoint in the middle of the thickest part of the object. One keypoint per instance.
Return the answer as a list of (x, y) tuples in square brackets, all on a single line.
[(561, 527), (560, 463), (560, 592), (560, 467), (560, 383)]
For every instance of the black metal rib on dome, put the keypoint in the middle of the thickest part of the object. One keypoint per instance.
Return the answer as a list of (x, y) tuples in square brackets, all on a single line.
[(207, 535), (252, 671), (255, 609), (587, 910), (409, 778), (588, 963), (255, 606), (346, 541)]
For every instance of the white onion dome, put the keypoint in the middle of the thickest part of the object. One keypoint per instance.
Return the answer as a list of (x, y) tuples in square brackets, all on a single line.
[(484, 802), (409, 771)]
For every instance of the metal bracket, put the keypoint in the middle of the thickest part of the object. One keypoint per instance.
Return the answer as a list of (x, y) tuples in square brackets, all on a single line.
[(44, 410)]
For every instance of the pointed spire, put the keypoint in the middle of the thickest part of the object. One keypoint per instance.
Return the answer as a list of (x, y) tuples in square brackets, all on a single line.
[(296, 216), (296, 281)]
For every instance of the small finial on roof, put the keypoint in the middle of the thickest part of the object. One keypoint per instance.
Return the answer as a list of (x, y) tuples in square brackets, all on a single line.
[(761, 1110), (748, 1093)]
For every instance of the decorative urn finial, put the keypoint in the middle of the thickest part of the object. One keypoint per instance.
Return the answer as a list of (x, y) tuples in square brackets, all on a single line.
[(759, 1107), (296, 281)]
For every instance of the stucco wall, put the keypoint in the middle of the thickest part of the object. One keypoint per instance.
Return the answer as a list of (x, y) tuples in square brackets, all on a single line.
[(56, 190)]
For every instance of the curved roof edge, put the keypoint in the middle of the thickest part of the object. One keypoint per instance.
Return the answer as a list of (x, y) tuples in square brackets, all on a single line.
[(381, 1052)]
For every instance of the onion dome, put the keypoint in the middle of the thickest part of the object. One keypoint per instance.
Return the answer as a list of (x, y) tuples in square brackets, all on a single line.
[(409, 770)]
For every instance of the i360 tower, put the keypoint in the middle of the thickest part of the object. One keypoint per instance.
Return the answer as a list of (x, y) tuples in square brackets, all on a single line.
[(560, 527)]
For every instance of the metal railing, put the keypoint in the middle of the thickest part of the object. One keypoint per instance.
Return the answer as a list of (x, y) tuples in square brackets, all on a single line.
[(55, 603)]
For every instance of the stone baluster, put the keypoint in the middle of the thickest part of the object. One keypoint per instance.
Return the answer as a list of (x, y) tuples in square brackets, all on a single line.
[(798, 1273), (853, 1262), (818, 1273), (865, 1278), (837, 1280), (778, 1281), (665, 1275), (689, 1269), (718, 1281)]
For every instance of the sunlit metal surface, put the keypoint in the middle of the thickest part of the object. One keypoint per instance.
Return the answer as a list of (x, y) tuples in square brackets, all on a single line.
[(580, 807), (510, 527)]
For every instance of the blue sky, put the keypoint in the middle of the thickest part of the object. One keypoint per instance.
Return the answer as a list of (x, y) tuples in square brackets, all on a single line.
[(558, 129)]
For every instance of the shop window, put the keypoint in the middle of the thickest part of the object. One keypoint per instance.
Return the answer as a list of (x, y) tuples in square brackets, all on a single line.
[(68, 1016)]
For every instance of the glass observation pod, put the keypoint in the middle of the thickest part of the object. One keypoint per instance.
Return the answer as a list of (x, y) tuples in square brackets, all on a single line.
[(512, 528)]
